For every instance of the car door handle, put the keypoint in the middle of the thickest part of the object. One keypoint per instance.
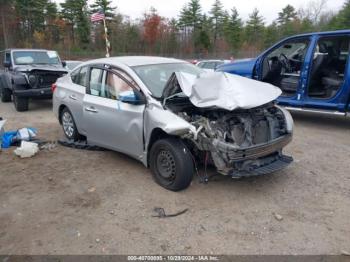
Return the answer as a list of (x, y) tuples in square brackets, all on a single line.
[(91, 109), (73, 97)]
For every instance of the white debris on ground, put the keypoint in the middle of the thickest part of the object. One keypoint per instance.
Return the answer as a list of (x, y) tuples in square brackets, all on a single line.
[(27, 149)]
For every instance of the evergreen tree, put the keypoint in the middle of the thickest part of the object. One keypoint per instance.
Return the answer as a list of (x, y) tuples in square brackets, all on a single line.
[(190, 20), (254, 28), (31, 14), (76, 13), (105, 6), (203, 39), (342, 19), (233, 30), (217, 16), (271, 35), (287, 15)]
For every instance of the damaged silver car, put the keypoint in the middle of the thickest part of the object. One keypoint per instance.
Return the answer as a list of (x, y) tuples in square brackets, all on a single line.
[(173, 117)]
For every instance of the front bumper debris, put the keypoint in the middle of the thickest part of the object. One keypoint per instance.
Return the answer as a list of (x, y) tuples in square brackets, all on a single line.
[(279, 163), (37, 92), (233, 154)]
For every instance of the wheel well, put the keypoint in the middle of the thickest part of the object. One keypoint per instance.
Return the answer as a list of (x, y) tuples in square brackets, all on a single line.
[(157, 134), (60, 109)]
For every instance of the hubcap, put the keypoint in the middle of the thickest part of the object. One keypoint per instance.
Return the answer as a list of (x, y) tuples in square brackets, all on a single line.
[(166, 165), (68, 124)]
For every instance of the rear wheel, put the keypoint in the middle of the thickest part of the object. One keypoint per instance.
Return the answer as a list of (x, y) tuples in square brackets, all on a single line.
[(171, 164), (69, 128), (5, 94), (21, 103)]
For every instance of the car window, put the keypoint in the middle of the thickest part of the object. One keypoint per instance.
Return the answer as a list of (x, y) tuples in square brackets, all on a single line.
[(35, 57), (209, 65), (114, 85), (74, 75), (78, 76), (156, 76), (200, 64), (82, 79), (96, 87)]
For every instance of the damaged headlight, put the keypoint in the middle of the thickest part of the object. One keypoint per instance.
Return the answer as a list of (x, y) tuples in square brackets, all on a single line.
[(33, 80), (288, 118)]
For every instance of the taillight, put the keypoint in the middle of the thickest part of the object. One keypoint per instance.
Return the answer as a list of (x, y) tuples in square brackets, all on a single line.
[(53, 87)]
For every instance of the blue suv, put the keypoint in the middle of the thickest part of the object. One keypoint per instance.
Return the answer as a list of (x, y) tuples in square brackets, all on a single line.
[(311, 70)]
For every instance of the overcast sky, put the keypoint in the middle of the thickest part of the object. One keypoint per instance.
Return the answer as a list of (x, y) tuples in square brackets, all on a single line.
[(171, 8)]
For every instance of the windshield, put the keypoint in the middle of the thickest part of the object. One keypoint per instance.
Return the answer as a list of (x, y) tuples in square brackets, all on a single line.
[(35, 57), (156, 76)]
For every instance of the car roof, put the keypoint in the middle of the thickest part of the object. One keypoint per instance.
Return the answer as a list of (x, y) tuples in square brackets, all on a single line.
[(28, 49), (211, 60), (137, 60), (346, 31)]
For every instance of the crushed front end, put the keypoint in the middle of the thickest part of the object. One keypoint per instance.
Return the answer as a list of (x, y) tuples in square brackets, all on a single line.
[(239, 143), (238, 128)]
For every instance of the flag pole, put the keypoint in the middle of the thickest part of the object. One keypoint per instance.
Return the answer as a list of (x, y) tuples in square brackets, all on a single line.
[(108, 45)]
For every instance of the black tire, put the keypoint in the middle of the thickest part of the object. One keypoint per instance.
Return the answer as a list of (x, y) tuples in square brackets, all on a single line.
[(5, 94), (21, 103), (68, 125), (171, 164)]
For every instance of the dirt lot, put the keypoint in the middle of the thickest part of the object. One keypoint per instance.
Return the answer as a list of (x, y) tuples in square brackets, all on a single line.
[(81, 202)]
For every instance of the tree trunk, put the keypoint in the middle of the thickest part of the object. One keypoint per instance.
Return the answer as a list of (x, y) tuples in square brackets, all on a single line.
[(4, 27)]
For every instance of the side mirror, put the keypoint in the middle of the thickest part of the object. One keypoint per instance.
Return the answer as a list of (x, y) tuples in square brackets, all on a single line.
[(7, 64), (64, 63), (131, 97)]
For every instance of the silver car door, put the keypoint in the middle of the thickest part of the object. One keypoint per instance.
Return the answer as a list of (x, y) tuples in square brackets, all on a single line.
[(75, 91), (109, 122)]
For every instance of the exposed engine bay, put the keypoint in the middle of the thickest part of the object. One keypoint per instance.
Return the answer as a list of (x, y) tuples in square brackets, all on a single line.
[(241, 142)]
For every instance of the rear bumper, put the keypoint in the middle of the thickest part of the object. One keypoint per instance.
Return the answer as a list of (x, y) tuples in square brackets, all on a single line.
[(38, 92)]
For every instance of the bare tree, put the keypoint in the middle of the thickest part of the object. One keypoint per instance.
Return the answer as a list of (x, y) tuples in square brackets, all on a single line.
[(313, 10)]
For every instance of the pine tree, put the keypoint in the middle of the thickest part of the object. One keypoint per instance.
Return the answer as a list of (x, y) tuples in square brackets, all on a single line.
[(342, 19), (287, 15), (233, 30), (254, 29), (189, 21), (217, 16), (75, 13), (105, 6)]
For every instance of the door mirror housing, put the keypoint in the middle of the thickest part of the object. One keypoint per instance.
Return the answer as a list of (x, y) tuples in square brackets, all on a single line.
[(131, 97), (7, 64), (64, 63)]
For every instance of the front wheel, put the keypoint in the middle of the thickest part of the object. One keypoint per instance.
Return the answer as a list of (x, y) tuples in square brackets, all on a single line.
[(21, 103), (5, 94), (171, 164)]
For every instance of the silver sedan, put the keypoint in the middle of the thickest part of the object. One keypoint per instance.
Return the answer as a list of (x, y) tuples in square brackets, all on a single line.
[(150, 109)]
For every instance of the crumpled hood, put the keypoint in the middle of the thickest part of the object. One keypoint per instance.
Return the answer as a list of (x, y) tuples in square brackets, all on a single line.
[(226, 91), (29, 68)]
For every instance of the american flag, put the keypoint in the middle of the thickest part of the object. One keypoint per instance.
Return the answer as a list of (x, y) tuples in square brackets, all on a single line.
[(98, 16)]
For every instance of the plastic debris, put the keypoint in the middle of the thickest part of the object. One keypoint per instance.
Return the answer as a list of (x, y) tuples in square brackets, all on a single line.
[(50, 146), (27, 149), (161, 213), (12, 137), (2, 130)]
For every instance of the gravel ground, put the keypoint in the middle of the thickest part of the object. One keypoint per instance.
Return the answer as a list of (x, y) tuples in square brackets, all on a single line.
[(68, 201)]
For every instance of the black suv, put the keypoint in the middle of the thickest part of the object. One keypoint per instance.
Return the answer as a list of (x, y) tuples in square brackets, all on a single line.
[(28, 73)]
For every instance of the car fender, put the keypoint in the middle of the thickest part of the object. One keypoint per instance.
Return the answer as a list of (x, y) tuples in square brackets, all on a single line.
[(5, 81), (19, 79), (157, 118)]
